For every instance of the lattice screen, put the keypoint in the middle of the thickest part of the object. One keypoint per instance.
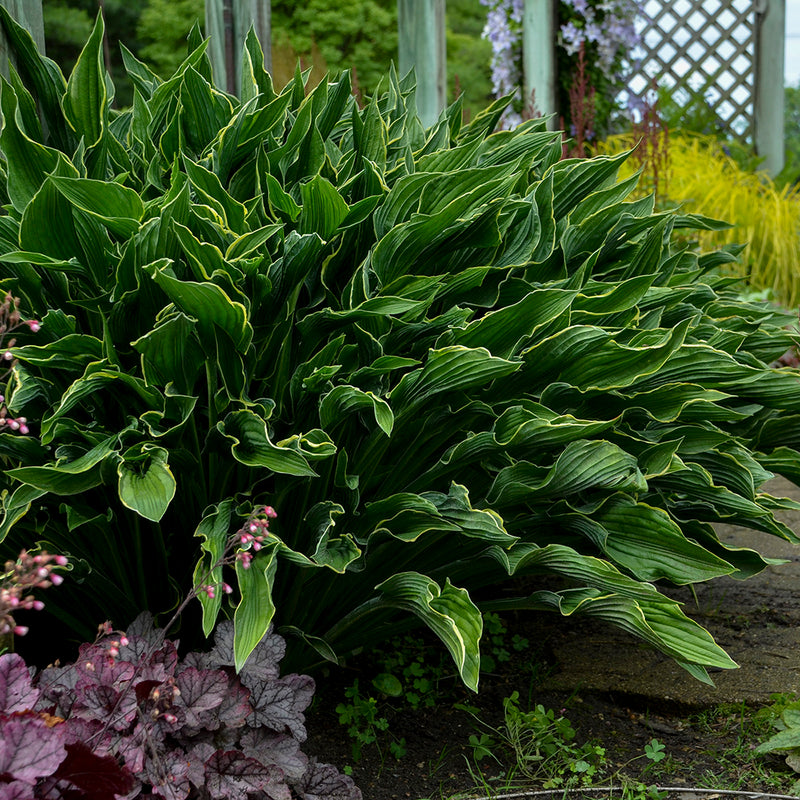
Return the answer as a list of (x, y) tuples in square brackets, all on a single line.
[(707, 45)]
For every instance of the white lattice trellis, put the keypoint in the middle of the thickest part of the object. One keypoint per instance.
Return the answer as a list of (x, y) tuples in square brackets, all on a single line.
[(704, 45)]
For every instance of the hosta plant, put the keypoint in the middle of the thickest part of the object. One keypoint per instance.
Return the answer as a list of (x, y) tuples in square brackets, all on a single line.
[(445, 356), (128, 717)]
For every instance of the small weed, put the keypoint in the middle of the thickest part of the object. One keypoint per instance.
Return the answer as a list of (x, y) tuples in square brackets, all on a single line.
[(361, 717), (411, 675)]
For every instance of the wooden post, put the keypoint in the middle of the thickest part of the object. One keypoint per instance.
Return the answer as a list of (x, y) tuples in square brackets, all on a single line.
[(27, 13), (768, 103), (422, 46), (227, 23), (538, 56)]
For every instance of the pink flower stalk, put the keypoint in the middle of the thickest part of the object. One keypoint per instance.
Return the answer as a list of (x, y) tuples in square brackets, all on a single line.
[(19, 577), (11, 320)]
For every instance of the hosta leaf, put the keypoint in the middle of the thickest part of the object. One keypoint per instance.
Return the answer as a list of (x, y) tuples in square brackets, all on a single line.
[(449, 369), (247, 243), (29, 162), (660, 622), (527, 556), (99, 376), (581, 465), (323, 208), (145, 482), (42, 76), (71, 352), (587, 357), (15, 506), (85, 100), (447, 611), (118, 208), (255, 610), (335, 552), (207, 303), (501, 332), (171, 353), (575, 179), (68, 477), (342, 400), (645, 541), (214, 530), (252, 445)]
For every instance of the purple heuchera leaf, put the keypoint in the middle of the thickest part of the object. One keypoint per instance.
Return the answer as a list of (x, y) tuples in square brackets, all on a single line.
[(29, 749), (196, 757), (235, 708), (279, 704), (99, 777), (202, 691), (263, 661), (57, 685), (144, 627), (169, 776), (16, 691), (278, 749), (324, 782), (16, 790), (232, 775)]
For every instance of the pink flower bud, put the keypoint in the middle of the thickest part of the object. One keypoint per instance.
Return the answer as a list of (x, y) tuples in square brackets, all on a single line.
[(123, 641), (33, 324), (171, 718), (42, 572), (38, 605), (13, 424), (226, 588), (56, 579), (20, 630), (61, 561), (8, 355), (270, 512), (24, 430)]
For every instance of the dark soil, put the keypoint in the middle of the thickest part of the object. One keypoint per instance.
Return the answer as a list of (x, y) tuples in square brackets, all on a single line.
[(706, 746)]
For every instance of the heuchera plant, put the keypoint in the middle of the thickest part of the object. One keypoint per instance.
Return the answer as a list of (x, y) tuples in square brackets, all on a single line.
[(130, 718)]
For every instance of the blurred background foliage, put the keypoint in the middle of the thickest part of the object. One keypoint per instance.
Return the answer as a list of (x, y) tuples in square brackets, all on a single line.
[(316, 32)]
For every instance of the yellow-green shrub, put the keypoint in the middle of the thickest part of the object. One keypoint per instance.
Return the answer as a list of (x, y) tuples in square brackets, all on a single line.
[(697, 174)]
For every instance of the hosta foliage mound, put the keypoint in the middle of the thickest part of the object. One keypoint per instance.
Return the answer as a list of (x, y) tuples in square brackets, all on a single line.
[(444, 356)]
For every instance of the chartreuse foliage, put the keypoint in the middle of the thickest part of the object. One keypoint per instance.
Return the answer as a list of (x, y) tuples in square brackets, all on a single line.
[(444, 356)]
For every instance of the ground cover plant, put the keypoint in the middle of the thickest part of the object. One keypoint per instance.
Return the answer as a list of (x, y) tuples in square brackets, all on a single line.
[(446, 357)]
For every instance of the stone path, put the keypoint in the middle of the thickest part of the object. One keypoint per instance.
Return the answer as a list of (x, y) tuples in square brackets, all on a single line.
[(756, 621)]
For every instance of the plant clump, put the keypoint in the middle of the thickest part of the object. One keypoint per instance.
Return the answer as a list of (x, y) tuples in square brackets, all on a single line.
[(455, 361), (131, 718)]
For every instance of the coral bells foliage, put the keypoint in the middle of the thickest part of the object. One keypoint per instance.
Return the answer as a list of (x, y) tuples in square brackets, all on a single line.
[(19, 578), (130, 718)]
